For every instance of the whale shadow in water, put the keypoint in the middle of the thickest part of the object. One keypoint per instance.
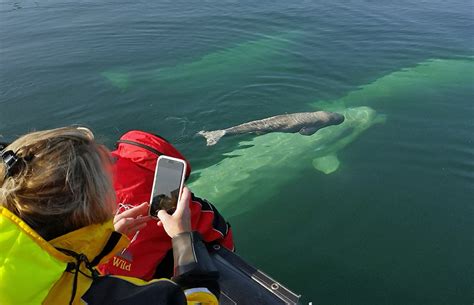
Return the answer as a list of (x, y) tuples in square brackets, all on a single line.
[(273, 154), (236, 62)]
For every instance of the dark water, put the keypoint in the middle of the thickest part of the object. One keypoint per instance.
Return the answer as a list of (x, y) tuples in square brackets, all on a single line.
[(393, 224)]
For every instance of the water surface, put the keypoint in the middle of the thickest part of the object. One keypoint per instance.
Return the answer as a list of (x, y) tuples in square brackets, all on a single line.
[(391, 225)]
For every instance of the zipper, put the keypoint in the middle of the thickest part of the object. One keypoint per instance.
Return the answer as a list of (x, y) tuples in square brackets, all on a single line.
[(151, 149)]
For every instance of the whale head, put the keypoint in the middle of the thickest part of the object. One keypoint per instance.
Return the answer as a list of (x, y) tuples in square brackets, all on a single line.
[(362, 117), (336, 118)]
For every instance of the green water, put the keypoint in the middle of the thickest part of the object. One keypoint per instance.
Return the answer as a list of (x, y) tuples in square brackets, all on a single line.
[(378, 210)]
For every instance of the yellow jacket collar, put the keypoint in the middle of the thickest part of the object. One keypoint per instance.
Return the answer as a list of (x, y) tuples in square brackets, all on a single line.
[(89, 240)]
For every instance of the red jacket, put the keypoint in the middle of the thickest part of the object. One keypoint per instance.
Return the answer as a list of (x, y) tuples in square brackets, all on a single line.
[(136, 156)]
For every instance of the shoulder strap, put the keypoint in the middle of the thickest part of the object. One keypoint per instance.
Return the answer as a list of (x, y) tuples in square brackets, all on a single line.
[(81, 258), (109, 246)]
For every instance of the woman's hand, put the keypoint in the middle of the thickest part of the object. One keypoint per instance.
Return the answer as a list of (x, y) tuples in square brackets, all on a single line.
[(132, 220), (180, 220)]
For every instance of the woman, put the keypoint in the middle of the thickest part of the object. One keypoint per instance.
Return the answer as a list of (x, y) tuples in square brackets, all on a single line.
[(56, 210)]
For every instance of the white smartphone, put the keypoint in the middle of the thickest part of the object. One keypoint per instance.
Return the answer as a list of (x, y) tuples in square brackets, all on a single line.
[(167, 185)]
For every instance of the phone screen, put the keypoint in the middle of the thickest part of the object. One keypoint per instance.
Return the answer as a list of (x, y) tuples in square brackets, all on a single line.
[(167, 186)]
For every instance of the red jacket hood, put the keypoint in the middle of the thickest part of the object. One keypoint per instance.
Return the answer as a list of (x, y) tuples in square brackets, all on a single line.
[(131, 146)]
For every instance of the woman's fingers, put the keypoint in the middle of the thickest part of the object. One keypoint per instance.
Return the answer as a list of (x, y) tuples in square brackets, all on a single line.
[(180, 221), (183, 202), (139, 210), (135, 228), (132, 219), (163, 216), (140, 220), (129, 225)]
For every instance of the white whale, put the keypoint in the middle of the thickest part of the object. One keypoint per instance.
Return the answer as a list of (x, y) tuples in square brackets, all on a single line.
[(269, 160)]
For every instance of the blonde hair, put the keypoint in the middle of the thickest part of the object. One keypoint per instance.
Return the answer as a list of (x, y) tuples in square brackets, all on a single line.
[(61, 182)]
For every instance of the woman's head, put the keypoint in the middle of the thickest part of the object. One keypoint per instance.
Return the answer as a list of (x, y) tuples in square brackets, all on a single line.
[(60, 183)]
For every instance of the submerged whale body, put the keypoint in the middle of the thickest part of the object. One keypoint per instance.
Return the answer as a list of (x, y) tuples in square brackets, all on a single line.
[(233, 180), (306, 123), (274, 154)]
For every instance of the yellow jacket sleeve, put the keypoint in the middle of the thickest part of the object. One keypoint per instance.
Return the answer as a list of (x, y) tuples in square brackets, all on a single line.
[(200, 296)]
